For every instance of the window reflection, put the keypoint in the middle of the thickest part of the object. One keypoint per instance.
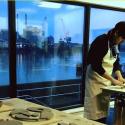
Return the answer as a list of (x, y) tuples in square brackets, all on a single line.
[(122, 57), (49, 41), (4, 64)]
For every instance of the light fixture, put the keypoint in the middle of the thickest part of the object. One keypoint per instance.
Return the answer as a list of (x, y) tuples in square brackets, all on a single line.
[(49, 5), (71, 7)]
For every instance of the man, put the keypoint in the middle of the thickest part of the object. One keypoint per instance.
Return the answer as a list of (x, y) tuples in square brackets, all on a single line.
[(102, 62)]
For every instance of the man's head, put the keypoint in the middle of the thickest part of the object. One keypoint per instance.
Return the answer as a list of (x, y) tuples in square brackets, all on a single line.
[(119, 32)]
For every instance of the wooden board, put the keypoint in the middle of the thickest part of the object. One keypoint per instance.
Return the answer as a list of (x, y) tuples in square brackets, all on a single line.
[(5, 108)]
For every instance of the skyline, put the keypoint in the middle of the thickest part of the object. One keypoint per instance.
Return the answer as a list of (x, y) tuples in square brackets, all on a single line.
[(35, 15)]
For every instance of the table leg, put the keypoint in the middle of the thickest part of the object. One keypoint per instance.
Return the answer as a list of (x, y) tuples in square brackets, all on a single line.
[(118, 113), (123, 115)]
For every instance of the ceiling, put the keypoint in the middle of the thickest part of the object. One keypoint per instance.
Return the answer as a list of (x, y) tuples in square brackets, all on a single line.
[(109, 3)]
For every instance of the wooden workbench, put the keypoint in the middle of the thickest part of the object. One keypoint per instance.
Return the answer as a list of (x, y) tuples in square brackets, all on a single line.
[(58, 115)]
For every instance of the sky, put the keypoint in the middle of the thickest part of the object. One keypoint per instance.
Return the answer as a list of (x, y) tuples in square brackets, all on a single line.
[(36, 17), (22, 8)]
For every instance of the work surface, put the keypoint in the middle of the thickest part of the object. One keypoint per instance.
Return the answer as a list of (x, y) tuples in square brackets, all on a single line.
[(58, 116), (114, 89)]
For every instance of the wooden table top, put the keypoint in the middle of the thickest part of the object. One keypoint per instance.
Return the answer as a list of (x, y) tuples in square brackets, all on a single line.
[(59, 116)]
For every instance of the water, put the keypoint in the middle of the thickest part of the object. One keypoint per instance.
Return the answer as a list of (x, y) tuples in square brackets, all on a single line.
[(36, 67)]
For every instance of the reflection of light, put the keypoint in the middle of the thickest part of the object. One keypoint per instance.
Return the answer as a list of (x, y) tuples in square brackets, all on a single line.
[(49, 5), (72, 7), (21, 46)]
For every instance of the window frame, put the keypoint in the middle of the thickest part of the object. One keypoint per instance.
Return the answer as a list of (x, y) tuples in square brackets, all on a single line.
[(12, 42)]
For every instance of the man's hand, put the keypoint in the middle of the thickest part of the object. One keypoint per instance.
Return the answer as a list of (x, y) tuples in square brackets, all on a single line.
[(117, 82), (121, 79)]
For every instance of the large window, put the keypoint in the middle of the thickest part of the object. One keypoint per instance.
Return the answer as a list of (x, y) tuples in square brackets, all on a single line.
[(102, 20), (4, 61), (49, 47), (4, 68), (122, 57)]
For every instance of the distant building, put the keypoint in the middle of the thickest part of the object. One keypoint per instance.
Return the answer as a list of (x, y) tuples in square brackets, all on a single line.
[(33, 34), (45, 27), (4, 38), (4, 34)]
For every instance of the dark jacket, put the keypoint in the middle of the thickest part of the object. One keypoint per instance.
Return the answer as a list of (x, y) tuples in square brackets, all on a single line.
[(97, 51)]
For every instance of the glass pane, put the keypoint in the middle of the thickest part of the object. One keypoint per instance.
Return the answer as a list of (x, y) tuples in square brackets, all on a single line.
[(122, 57), (4, 63), (100, 25), (49, 45)]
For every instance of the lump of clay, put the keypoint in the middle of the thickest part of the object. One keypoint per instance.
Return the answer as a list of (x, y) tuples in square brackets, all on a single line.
[(23, 114), (45, 113)]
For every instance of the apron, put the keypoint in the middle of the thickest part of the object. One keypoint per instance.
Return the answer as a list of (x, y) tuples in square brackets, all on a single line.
[(95, 102)]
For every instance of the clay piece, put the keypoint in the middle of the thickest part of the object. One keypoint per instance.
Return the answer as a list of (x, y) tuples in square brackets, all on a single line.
[(32, 114), (20, 111), (25, 115), (35, 109), (26, 118), (44, 112)]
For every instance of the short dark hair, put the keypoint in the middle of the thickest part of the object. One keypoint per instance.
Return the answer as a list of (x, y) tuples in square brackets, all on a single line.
[(120, 27)]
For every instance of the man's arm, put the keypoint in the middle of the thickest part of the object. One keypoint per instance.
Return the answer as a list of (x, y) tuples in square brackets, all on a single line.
[(113, 80), (117, 70), (119, 76)]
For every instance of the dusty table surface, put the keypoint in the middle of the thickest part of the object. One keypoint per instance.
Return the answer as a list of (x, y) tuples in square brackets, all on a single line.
[(114, 89), (59, 116)]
